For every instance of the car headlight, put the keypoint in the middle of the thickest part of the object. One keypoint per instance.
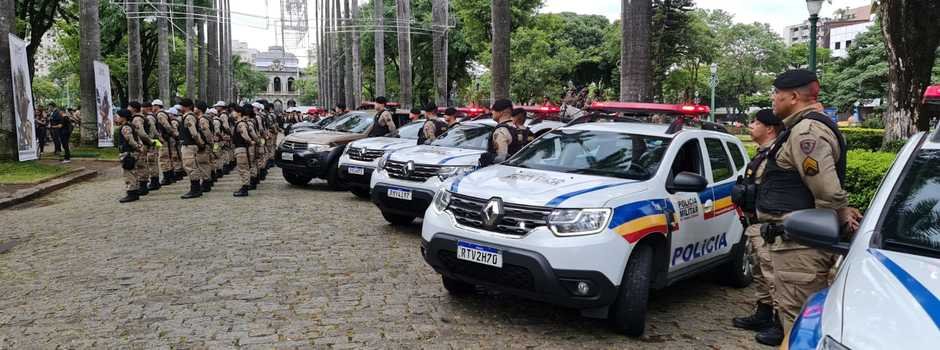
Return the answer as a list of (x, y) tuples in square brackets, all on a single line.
[(832, 344), (451, 171), (442, 200), (578, 222), (382, 160), (312, 147)]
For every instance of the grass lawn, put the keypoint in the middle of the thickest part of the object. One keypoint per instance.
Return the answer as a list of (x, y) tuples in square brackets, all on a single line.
[(28, 172), (106, 153)]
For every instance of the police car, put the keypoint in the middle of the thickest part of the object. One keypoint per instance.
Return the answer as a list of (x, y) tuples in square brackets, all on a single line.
[(361, 157), (886, 294), (406, 180), (592, 216)]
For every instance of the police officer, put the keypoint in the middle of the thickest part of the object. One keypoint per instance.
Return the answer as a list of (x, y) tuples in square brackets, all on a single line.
[(450, 117), (805, 169), (242, 141), (383, 124), (503, 143), (193, 143), (168, 137), (523, 134), (153, 154), (175, 151), (414, 114), (141, 128), (433, 126), (128, 144), (248, 115), (764, 130), (204, 156), (261, 130)]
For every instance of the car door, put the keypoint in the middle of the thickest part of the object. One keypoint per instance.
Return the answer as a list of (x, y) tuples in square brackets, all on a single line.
[(688, 207), (719, 212)]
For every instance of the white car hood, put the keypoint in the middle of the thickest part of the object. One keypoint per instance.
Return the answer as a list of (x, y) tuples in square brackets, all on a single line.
[(891, 302), (383, 143), (434, 155), (543, 188)]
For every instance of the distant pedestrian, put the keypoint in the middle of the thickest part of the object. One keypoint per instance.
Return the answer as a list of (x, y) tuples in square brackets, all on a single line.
[(61, 126)]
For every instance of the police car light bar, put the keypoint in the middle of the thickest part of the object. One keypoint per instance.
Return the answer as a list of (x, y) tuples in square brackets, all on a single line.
[(685, 109)]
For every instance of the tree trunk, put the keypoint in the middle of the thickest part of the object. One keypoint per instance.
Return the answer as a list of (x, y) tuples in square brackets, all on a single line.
[(163, 60), (911, 39), (404, 52), (229, 70), (8, 149), (338, 76), (347, 55), (134, 76), (439, 9), (502, 25), (328, 54), (89, 51), (379, 48), (203, 59), (356, 57), (319, 48), (212, 53), (190, 63), (635, 68), (221, 24)]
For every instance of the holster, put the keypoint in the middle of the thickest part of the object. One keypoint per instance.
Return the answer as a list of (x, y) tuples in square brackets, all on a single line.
[(129, 162)]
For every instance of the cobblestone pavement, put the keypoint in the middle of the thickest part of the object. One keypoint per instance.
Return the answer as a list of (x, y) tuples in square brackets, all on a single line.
[(287, 267)]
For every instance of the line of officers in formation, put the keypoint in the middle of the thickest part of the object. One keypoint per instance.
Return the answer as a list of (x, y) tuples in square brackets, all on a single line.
[(191, 140)]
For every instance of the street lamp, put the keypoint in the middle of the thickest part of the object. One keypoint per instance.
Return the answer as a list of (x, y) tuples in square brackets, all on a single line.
[(713, 82), (813, 6)]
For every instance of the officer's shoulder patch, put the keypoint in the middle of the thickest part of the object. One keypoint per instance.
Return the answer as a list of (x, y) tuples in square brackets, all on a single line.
[(810, 166), (807, 146)]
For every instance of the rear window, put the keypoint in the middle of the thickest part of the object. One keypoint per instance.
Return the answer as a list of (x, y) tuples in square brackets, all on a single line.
[(737, 154), (721, 166), (911, 222)]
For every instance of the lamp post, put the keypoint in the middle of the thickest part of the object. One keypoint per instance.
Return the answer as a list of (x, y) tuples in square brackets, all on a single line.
[(712, 83), (813, 6)]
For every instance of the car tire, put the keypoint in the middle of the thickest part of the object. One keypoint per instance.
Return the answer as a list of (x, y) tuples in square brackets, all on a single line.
[(398, 220), (360, 192), (296, 179), (332, 177), (457, 287), (628, 313), (739, 272)]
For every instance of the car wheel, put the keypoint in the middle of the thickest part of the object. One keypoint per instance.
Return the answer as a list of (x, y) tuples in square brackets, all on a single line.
[(360, 192), (296, 179), (457, 287), (398, 220), (739, 272), (332, 177), (628, 314)]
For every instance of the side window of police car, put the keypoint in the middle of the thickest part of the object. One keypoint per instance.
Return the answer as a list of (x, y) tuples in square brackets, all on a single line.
[(737, 155), (722, 168), (688, 159)]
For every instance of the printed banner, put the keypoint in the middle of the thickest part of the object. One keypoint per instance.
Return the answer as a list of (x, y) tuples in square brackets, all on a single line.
[(26, 141), (103, 106)]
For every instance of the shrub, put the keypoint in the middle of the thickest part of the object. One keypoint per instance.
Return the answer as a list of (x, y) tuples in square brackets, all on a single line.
[(863, 139), (863, 174)]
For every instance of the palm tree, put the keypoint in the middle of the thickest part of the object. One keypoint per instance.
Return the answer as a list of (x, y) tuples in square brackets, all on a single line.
[(502, 24), (347, 57), (356, 57), (134, 75), (439, 9), (7, 21), (89, 51), (163, 54), (379, 48), (190, 66), (403, 19), (203, 58), (212, 53), (635, 69)]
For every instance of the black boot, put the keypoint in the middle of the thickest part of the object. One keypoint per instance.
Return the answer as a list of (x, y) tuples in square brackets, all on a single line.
[(262, 174), (180, 175), (253, 184), (242, 192), (771, 336), (167, 178), (142, 188), (130, 197), (154, 183), (206, 186), (762, 318), (194, 190)]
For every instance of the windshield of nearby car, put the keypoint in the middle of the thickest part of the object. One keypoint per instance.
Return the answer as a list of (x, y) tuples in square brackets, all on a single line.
[(911, 222), (352, 122), (410, 130), (469, 136), (594, 153)]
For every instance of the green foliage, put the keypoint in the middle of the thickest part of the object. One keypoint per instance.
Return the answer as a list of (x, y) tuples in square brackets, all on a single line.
[(307, 87), (28, 172), (248, 82), (863, 74), (863, 139), (864, 171)]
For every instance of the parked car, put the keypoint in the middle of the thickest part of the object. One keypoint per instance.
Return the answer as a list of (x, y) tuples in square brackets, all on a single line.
[(362, 157), (305, 155)]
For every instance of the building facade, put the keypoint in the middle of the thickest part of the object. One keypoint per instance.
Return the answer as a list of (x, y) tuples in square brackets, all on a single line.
[(846, 25), (283, 72), (840, 38)]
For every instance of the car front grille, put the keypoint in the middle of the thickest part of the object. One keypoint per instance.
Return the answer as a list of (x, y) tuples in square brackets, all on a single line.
[(421, 172), (364, 154), (512, 276), (517, 221), (293, 146)]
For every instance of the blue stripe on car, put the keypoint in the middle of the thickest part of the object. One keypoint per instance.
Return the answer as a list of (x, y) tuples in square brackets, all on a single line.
[(927, 300), (807, 330), (557, 200), (445, 160)]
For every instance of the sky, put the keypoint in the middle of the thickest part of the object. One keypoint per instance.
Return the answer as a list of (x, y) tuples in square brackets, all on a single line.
[(253, 21)]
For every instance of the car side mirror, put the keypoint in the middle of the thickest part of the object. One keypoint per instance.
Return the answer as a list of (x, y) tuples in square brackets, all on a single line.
[(817, 228), (687, 182)]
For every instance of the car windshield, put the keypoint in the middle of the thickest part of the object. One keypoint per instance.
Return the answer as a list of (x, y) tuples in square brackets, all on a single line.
[(352, 122), (599, 153), (469, 136), (410, 130), (911, 222)]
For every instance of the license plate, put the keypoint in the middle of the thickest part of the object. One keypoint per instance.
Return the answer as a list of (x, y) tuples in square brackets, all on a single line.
[(479, 254), (356, 170), (399, 194), (287, 156)]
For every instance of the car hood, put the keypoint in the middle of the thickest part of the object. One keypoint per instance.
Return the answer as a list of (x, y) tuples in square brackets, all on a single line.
[(887, 301), (543, 188), (435, 155), (324, 137), (384, 143)]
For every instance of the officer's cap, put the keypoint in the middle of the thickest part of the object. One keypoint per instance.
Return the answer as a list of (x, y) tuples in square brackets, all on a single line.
[(450, 111), (501, 105), (518, 112), (157, 102), (186, 102), (173, 111), (257, 105), (381, 100), (248, 109), (146, 105), (219, 104), (134, 104), (177, 107), (202, 105), (430, 107), (415, 111), (794, 78), (767, 117), (124, 113)]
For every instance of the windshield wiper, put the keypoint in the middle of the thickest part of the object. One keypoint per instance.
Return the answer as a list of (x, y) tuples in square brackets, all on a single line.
[(911, 248), (601, 173)]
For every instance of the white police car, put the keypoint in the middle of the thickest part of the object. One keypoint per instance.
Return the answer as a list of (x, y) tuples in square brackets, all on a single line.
[(886, 294), (407, 180), (593, 215), (361, 157)]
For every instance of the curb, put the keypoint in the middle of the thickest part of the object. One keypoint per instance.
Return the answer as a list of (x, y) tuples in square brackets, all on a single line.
[(46, 187)]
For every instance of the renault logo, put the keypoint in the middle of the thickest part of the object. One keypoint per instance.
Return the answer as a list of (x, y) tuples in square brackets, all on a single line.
[(493, 212), (409, 168)]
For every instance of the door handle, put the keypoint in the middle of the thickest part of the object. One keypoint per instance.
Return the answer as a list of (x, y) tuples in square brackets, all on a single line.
[(708, 206)]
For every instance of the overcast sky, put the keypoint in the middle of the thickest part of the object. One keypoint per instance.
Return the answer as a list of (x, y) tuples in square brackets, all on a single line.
[(253, 20)]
